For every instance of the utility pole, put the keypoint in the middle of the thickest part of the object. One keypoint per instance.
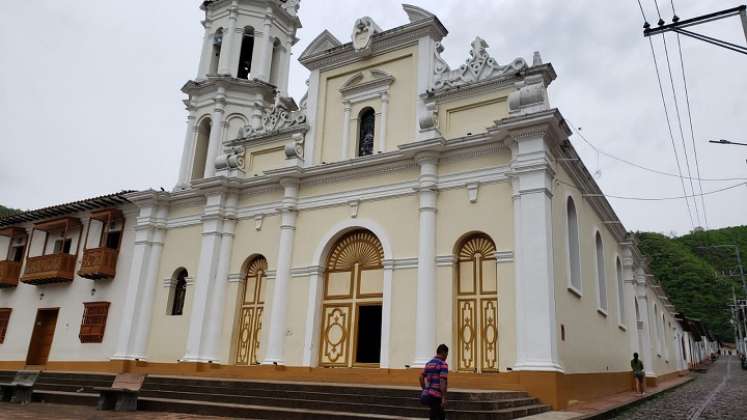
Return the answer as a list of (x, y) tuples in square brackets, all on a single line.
[(737, 324), (678, 26)]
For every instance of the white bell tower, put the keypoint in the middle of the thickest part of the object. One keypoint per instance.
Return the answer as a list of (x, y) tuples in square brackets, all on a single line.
[(244, 65)]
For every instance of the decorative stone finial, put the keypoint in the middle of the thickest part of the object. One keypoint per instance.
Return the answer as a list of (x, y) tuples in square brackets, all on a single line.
[(363, 31)]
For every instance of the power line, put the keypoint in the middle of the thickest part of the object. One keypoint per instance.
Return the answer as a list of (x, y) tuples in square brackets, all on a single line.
[(679, 121), (690, 118), (671, 135), (578, 132), (731, 187)]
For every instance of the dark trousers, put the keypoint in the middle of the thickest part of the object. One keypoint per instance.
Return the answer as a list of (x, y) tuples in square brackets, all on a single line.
[(436, 411)]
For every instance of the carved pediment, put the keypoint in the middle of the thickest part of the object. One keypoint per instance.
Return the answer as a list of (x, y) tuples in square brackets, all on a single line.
[(416, 14), (366, 79), (479, 66), (278, 119), (323, 42)]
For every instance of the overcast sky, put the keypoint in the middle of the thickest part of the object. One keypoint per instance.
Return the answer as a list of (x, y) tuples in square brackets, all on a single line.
[(90, 101)]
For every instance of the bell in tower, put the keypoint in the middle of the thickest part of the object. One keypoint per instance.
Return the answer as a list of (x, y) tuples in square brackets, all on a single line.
[(244, 65)]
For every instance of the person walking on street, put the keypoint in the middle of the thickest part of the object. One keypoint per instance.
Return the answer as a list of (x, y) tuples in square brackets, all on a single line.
[(639, 374), (433, 383)]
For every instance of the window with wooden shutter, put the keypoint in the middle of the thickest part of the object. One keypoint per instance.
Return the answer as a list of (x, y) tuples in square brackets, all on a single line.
[(94, 322), (4, 318)]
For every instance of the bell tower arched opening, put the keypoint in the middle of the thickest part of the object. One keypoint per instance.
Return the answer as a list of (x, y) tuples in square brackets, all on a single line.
[(201, 148), (245, 54)]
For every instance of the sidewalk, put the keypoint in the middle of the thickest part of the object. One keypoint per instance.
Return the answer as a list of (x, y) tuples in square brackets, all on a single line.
[(604, 407)]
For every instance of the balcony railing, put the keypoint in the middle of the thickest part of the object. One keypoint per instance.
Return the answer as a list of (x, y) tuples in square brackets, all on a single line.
[(9, 273), (45, 269), (99, 263)]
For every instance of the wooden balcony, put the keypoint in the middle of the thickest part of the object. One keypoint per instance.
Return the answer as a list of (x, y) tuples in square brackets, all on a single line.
[(99, 263), (46, 269), (9, 273)]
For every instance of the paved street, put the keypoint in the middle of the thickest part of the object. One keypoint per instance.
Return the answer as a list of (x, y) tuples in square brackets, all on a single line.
[(37, 411), (719, 394)]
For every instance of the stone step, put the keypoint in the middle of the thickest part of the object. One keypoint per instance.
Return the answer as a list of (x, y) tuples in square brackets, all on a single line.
[(163, 382), (255, 396)]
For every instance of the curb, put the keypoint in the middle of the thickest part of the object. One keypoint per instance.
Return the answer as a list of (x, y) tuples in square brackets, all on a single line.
[(614, 411)]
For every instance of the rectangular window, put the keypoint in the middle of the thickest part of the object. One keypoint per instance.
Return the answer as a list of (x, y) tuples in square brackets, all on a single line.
[(16, 253), (4, 318), (112, 239), (94, 322), (62, 246)]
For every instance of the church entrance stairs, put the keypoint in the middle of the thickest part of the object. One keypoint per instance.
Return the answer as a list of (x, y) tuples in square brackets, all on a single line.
[(284, 400)]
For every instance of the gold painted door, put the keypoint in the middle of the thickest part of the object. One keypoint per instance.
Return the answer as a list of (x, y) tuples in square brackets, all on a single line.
[(477, 306), (252, 308), (354, 278)]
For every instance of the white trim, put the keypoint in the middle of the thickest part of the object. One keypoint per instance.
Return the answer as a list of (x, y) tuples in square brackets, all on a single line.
[(235, 278), (572, 287), (313, 309), (599, 280), (575, 291)]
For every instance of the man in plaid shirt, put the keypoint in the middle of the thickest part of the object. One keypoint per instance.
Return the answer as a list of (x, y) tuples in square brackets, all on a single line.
[(433, 382)]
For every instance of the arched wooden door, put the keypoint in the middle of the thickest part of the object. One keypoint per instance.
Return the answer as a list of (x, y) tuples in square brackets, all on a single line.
[(353, 292), (252, 306), (477, 305)]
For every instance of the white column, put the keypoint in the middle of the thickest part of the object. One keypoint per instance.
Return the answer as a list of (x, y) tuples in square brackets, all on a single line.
[(426, 52), (313, 318), (145, 314), (381, 143), (345, 145), (278, 312), (135, 324), (216, 133), (284, 63), (311, 109), (536, 341), (227, 49), (386, 315), (138, 269), (213, 341), (207, 50), (645, 352), (425, 314), (188, 153), (212, 225), (265, 49)]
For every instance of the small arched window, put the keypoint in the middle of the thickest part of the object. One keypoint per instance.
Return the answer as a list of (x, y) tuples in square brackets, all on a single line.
[(367, 127), (215, 54), (574, 254), (178, 292), (245, 56), (601, 273), (201, 148), (620, 291)]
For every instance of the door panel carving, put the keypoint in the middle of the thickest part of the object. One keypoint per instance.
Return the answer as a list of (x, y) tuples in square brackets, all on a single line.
[(477, 305), (252, 307)]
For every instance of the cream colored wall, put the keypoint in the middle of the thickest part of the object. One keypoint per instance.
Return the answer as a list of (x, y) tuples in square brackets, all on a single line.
[(664, 354), (584, 326), (168, 334), (401, 113), (25, 300), (459, 117), (492, 214)]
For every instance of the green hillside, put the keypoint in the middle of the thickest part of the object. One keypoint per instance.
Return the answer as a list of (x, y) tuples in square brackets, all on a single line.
[(5, 211), (697, 276)]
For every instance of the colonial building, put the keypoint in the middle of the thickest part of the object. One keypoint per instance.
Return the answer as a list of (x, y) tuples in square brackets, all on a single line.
[(401, 203)]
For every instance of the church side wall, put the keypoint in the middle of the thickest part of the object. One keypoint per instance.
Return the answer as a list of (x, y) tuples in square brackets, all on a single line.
[(585, 327)]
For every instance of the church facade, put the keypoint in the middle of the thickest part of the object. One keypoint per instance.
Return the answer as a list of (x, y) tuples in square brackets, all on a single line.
[(401, 203)]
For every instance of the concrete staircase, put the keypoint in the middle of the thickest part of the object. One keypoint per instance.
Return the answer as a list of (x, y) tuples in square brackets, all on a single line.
[(283, 400)]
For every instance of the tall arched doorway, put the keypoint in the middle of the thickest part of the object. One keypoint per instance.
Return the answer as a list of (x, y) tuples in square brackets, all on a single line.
[(477, 305), (252, 307), (351, 310)]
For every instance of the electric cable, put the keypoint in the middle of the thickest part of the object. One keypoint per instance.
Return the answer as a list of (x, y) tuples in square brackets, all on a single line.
[(679, 197), (679, 123), (690, 118), (671, 135), (636, 165)]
